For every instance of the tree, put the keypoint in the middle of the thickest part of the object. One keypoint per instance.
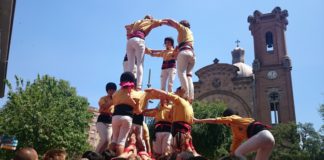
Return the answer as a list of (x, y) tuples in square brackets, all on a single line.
[(46, 114), (321, 131), (310, 140), (296, 142), (287, 142), (212, 141), (321, 111)]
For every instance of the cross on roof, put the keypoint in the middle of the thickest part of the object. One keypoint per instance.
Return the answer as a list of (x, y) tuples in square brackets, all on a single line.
[(237, 43)]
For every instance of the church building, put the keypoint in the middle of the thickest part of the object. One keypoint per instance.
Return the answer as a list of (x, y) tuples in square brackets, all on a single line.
[(262, 91)]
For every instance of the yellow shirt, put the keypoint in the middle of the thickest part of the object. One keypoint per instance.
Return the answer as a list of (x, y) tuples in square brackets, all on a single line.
[(181, 109), (238, 126), (136, 99), (145, 25), (166, 54), (106, 105), (184, 34), (161, 114), (164, 114)]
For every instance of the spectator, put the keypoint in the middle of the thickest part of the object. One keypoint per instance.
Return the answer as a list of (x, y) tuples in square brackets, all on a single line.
[(26, 154), (55, 154)]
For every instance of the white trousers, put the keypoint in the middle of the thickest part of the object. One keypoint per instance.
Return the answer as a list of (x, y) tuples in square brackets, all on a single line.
[(185, 63), (138, 130), (125, 66), (162, 142), (104, 131), (121, 125), (135, 50), (263, 142), (168, 75)]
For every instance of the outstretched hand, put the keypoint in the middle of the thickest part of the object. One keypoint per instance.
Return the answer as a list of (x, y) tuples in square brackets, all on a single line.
[(195, 120), (164, 22), (148, 51), (170, 22)]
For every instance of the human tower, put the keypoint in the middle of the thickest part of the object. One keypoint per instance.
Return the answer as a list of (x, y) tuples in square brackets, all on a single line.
[(121, 125)]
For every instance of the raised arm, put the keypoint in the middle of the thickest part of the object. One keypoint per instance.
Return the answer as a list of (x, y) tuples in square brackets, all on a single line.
[(208, 120), (153, 52), (219, 120), (172, 23), (155, 23), (163, 95), (156, 93), (164, 22)]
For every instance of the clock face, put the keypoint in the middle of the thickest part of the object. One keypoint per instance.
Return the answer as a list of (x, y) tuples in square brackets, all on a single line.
[(272, 75)]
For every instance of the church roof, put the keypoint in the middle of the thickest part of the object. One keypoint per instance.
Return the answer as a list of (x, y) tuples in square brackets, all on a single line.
[(235, 70), (238, 48), (244, 70), (218, 69)]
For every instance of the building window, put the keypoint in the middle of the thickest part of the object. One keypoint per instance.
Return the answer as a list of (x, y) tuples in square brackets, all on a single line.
[(269, 42), (274, 107)]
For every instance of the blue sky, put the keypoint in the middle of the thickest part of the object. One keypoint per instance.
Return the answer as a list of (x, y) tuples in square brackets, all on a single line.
[(83, 41)]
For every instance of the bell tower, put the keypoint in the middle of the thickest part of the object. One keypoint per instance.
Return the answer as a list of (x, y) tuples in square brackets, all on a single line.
[(274, 101)]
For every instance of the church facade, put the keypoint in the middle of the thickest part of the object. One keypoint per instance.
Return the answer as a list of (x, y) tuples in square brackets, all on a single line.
[(263, 91)]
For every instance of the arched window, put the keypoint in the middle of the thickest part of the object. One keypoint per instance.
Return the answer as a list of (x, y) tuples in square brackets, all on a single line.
[(269, 42), (274, 107)]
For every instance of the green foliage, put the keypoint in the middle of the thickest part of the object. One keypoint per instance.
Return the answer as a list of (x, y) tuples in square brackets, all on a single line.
[(321, 131), (212, 141), (46, 114), (321, 110), (297, 142), (311, 141), (287, 142)]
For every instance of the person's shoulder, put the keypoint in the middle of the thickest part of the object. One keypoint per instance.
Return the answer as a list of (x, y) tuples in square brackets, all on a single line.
[(103, 97), (118, 92), (137, 94), (236, 117), (239, 119), (146, 21), (249, 119), (173, 94), (139, 21)]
